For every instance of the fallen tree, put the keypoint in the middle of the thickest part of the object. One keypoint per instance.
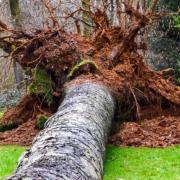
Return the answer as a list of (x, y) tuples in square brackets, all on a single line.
[(109, 57), (73, 143)]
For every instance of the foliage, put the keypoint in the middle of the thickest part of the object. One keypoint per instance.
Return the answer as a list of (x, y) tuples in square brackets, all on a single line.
[(176, 21), (142, 163), (170, 24), (169, 4), (9, 156), (41, 85), (165, 38), (41, 120)]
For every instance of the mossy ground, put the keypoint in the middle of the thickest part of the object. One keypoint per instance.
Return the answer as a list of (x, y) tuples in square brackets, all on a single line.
[(120, 164)]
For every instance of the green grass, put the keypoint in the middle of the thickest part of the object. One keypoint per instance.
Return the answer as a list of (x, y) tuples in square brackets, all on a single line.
[(142, 164), (120, 164), (9, 156)]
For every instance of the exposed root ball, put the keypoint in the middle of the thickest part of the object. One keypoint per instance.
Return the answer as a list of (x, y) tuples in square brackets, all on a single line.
[(113, 60)]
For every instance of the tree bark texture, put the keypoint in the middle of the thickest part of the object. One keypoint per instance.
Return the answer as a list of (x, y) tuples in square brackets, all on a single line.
[(72, 145)]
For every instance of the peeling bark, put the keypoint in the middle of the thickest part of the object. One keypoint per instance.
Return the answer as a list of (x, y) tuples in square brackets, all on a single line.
[(73, 143)]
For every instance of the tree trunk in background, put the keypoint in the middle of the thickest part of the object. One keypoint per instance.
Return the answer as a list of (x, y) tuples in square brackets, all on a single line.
[(6, 73), (17, 73), (72, 145), (15, 14), (86, 17)]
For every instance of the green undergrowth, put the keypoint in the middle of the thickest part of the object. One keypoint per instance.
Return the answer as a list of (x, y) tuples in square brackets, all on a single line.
[(120, 164)]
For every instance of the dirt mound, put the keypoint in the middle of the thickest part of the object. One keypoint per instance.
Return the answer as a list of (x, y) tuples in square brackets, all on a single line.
[(112, 52), (158, 132)]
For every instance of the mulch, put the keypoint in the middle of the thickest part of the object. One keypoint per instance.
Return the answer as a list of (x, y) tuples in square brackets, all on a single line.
[(23, 135), (161, 131)]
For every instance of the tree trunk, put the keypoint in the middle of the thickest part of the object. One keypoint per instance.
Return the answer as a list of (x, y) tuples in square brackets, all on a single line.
[(73, 143), (15, 14), (86, 17)]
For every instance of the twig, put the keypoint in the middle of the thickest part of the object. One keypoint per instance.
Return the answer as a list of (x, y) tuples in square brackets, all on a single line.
[(136, 102), (52, 14), (154, 4)]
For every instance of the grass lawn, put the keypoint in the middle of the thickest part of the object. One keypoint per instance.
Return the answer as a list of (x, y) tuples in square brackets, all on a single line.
[(8, 159), (120, 164), (142, 164)]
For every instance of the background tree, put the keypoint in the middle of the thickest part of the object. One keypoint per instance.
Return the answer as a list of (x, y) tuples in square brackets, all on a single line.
[(165, 37), (15, 13), (86, 17)]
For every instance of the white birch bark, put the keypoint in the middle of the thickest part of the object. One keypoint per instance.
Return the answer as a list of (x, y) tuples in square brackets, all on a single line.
[(73, 143)]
